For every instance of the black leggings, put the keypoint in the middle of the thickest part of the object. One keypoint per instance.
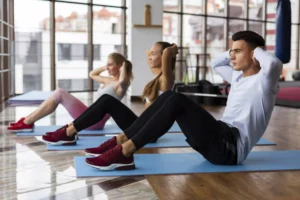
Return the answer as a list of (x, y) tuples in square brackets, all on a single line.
[(215, 140)]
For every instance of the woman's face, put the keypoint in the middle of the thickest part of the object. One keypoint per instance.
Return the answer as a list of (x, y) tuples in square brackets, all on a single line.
[(154, 56), (112, 68)]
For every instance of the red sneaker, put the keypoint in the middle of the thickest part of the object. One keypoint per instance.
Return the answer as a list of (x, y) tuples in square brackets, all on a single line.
[(113, 159), (97, 151), (59, 137), (14, 123), (20, 126)]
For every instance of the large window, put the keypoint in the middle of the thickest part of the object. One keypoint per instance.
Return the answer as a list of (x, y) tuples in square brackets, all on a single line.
[(32, 57), (197, 26), (71, 38), (221, 22)]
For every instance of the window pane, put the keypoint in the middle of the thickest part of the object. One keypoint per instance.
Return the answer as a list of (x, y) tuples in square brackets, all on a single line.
[(215, 44), (108, 2), (71, 37), (77, 51), (256, 27), (271, 10), (107, 32), (270, 37), (216, 7), (236, 8), (295, 10), (235, 26), (171, 28), (79, 1), (171, 5), (290, 67), (255, 9), (32, 50), (192, 6), (193, 39)]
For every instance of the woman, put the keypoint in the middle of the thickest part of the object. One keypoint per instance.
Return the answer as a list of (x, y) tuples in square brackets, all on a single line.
[(161, 59), (120, 71)]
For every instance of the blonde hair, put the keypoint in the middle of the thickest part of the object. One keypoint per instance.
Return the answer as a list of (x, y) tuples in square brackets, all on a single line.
[(152, 88), (119, 59)]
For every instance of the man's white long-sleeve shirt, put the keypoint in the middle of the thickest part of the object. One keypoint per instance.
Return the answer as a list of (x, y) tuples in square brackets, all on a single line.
[(251, 99)]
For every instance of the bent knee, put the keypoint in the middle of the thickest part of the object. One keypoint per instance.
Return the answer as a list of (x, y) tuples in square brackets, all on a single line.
[(57, 95)]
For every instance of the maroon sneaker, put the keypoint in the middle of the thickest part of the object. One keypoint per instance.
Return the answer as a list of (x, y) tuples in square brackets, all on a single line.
[(113, 159), (53, 132), (20, 126), (59, 137), (97, 151)]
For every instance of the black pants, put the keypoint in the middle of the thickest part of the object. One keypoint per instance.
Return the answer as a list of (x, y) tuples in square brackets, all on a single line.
[(215, 140)]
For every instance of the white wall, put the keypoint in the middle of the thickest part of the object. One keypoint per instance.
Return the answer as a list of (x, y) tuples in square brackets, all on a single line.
[(141, 39)]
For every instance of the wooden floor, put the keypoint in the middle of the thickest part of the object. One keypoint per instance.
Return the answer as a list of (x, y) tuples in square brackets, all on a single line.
[(23, 157)]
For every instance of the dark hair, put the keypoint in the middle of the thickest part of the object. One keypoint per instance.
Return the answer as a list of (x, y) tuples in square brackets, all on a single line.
[(251, 38), (151, 89)]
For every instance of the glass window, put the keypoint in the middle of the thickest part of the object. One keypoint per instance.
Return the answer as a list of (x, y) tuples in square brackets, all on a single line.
[(237, 8), (235, 26), (171, 5), (270, 37), (193, 40), (108, 2), (215, 44), (32, 47), (193, 6), (78, 1), (107, 25), (271, 10), (64, 52), (97, 53), (171, 29), (290, 67), (255, 9), (77, 52), (256, 27), (295, 11), (71, 37), (216, 8)]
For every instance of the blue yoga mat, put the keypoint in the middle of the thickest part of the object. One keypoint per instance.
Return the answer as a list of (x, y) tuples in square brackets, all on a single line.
[(167, 140), (108, 129), (189, 163), (30, 97)]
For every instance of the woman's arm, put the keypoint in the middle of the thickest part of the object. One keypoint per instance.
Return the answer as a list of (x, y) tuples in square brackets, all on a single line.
[(167, 69), (95, 75)]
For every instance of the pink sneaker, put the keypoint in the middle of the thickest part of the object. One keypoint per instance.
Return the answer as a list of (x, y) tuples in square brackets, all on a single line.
[(113, 159)]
